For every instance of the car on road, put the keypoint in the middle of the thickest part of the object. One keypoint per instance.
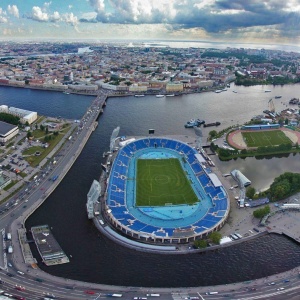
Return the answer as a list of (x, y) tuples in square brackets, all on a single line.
[(271, 283), (9, 264), (20, 288), (10, 275), (90, 292), (18, 297), (280, 289), (39, 280)]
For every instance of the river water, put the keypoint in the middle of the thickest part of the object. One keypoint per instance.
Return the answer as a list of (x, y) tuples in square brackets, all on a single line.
[(97, 259)]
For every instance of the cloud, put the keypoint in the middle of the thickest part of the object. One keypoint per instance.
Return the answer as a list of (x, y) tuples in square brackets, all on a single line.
[(38, 15), (3, 18), (47, 4), (70, 18), (213, 16), (13, 10)]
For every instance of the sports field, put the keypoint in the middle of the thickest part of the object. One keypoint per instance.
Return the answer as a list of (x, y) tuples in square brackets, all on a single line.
[(265, 138), (161, 182)]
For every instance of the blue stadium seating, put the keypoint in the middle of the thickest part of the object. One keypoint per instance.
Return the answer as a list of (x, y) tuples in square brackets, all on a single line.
[(138, 225), (117, 198), (200, 229), (196, 168)]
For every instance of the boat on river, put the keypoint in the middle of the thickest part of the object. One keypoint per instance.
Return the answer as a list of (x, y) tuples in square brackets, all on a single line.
[(212, 124), (194, 123), (139, 95), (159, 96)]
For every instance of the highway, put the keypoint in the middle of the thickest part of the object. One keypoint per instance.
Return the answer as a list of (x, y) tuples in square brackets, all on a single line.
[(36, 284)]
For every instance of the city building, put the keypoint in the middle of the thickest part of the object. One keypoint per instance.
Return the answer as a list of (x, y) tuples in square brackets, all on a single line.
[(7, 131)]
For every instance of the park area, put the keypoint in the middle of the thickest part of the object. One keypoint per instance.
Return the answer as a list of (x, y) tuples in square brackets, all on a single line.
[(265, 138), (162, 182)]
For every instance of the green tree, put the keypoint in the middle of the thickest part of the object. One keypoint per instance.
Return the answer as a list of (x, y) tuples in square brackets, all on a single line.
[(213, 134), (261, 212), (42, 127), (47, 130), (215, 237), (29, 134), (200, 244), (250, 192)]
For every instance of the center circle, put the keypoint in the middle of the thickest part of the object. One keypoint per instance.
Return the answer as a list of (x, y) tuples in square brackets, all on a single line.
[(161, 179)]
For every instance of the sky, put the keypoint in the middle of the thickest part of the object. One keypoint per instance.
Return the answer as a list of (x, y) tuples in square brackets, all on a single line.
[(244, 21)]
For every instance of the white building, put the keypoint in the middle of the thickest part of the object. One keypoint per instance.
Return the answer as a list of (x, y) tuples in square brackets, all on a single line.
[(24, 115)]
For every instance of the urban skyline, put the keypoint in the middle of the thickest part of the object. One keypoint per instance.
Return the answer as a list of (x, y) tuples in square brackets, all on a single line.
[(269, 22)]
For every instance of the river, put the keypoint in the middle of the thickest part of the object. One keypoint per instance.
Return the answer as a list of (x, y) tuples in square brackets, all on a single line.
[(97, 259)]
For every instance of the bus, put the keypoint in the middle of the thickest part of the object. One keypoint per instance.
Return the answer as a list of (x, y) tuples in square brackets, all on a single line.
[(238, 235), (233, 236), (114, 295)]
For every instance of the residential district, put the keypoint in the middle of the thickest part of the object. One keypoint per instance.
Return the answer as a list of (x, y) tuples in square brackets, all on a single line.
[(140, 68)]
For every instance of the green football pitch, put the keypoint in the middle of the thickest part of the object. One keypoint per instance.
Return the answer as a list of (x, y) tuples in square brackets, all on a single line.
[(162, 182), (265, 138)]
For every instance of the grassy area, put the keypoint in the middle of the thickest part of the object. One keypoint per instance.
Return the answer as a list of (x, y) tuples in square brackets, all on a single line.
[(161, 182), (13, 182), (265, 138), (35, 160), (38, 133), (32, 150)]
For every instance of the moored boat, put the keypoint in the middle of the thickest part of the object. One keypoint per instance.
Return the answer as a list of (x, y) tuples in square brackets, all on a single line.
[(170, 95), (139, 95), (212, 124), (193, 123), (160, 96)]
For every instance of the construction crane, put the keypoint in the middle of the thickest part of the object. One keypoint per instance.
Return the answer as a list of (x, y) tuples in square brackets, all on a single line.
[(271, 105)]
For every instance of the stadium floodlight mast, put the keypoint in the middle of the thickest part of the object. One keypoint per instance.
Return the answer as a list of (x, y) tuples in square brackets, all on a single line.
[(113, 138), (199, 135)]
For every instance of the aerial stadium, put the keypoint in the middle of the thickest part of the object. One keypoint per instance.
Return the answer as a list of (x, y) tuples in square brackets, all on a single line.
[(162, 190)]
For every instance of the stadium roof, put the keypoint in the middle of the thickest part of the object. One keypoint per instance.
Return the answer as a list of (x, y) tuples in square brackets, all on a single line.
[(200, 158), (215, 180), (5, 128)]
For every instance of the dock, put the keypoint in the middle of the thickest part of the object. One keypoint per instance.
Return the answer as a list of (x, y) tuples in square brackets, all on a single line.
[(48, 247)]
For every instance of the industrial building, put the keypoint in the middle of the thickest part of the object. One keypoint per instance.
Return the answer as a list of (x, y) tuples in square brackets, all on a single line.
[(7, 131), (24, 115)]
